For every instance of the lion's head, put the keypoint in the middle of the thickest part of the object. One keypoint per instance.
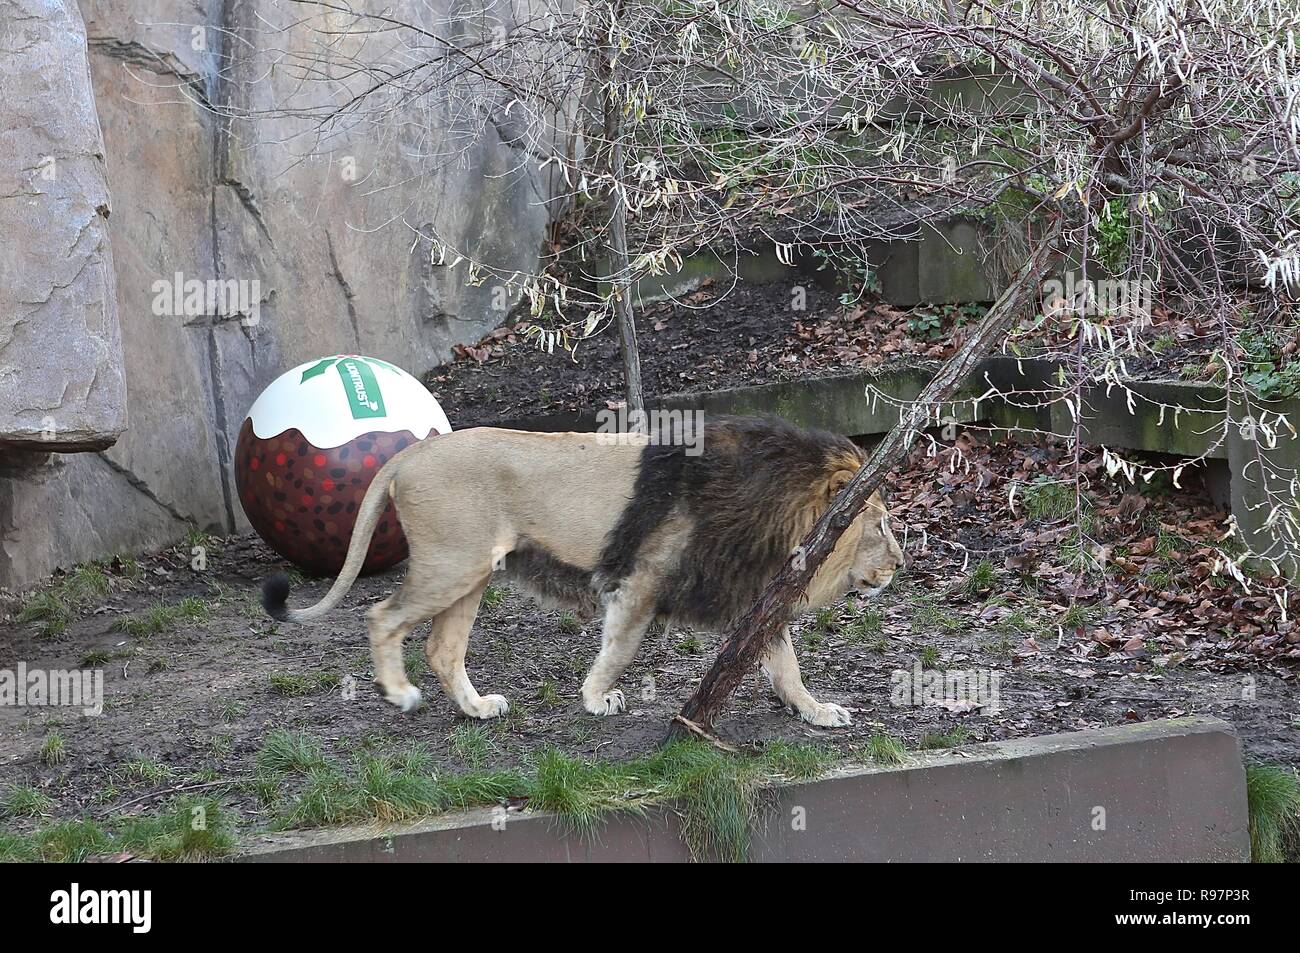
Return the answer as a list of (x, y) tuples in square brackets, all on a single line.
[(878, 554), (865, 557)]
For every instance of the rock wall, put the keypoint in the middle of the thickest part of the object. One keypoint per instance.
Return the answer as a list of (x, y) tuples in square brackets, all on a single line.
[(304, 244), (61, 384)]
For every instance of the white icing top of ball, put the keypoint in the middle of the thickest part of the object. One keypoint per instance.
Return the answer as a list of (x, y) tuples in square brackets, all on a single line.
[(333, 400)]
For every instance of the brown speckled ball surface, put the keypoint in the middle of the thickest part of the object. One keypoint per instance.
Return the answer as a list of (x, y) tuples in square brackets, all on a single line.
[(303, 500)]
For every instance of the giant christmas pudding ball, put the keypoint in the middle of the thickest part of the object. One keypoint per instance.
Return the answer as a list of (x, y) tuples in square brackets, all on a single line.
[(311, 445)]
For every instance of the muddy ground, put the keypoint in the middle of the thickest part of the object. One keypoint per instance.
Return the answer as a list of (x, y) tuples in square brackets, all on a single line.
[(187, 708)]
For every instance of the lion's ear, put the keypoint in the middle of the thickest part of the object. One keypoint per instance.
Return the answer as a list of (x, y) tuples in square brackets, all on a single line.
[(839, 480)]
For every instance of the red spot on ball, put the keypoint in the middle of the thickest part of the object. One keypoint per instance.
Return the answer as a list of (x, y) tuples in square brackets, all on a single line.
[(279, 527), (254, 463), (319, 460), (281, 459), (369, 460), (327, 486), (306, 500)]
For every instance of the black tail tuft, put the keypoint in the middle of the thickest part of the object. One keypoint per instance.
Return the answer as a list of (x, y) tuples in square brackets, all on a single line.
[(275, 596)]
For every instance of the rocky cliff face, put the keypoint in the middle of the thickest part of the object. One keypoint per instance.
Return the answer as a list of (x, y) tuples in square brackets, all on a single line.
[(298, 243), (61, 382)]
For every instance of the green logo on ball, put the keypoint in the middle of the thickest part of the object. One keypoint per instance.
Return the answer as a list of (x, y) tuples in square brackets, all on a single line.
[(364, 395)]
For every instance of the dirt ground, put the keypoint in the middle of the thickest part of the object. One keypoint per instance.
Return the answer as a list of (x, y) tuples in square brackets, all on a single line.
[(697, 344), (730, 336), (188, 707)]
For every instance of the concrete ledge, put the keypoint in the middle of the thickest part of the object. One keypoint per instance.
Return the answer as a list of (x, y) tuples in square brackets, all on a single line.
[(1171, 790), (840, 404)]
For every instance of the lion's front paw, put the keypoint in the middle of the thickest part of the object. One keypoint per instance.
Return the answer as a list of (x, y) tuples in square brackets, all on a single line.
[(827, 716), (608, 703), (491, 706)]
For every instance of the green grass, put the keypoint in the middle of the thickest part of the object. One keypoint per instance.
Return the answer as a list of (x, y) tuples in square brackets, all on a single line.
[(195, 537), (23, 800), (471, 743), (798, 762), (930, 657), (933, 740), (146, 769), (56, 606), (186, 829), (98, 658), (688, 645), (866, 626), (297, 684), (979, 581), (569, 623), (50, 610), (1273, 800), (548, 694), (928, 615), (232, 709), (391, 787), (163, 617), (1077, 616), (1016, 621), (54, 749), (717, 795), (493, 597), (1047, 499), (884, 749), (284, 750)]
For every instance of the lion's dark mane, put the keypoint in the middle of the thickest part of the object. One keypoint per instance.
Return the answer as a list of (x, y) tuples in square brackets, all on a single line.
[(752, 494)]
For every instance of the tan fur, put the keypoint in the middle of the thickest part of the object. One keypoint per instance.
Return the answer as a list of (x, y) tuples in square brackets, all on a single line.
[(468, 499)]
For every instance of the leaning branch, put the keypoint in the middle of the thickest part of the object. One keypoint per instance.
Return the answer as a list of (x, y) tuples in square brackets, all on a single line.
[(744, 647)]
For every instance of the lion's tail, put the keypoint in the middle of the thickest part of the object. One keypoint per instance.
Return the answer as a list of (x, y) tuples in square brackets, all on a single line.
[(275, 591)]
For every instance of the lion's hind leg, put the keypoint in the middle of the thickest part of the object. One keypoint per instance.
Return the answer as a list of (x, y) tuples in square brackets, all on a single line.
[(389, 622), (445, 651), (428, 592)]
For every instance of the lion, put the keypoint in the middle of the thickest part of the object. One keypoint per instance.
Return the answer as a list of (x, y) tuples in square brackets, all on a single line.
[(627, 524)]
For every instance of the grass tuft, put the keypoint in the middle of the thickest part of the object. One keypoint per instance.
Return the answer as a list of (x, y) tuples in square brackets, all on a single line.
[(23, 800), (289, 751), (1047, 499), (471, 743), (798, 762), (54, 749), (934, 740), (163, 617), (884, 749), (979, 581), (186, 829), (143, 768), (1273, 801)]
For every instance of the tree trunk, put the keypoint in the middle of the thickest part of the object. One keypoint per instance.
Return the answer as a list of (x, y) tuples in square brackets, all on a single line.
[(744, 646), (620, 270)]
